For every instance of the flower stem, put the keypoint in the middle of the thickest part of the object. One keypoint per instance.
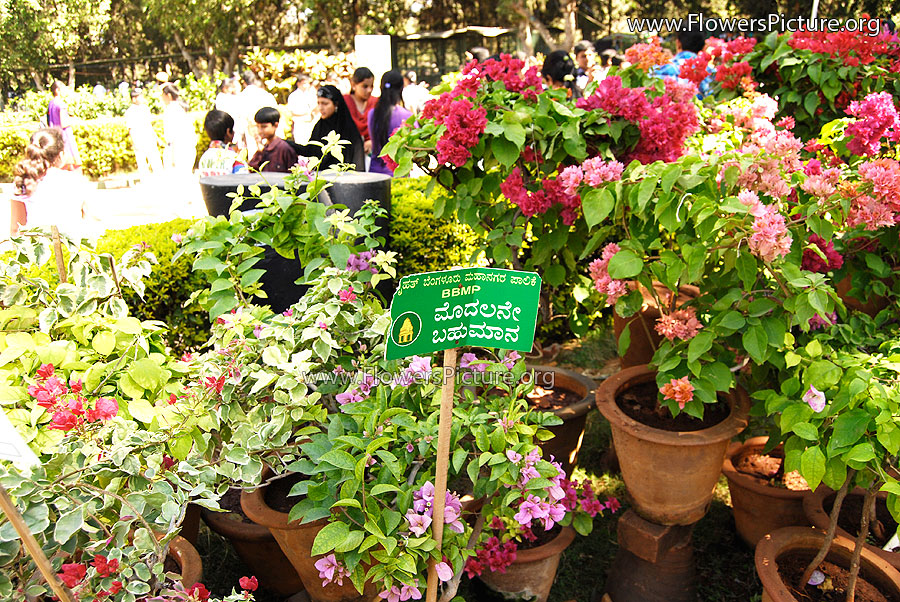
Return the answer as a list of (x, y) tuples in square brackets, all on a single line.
[(829, 534)]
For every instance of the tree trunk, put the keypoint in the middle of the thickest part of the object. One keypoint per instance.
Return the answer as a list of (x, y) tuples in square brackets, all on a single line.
[(542, 30), (231, 61), (38, 83), (192, 64), (71, 66), (329, 33), (570, 28), (524, 35)]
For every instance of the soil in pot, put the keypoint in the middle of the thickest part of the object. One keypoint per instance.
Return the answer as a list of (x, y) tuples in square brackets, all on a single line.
[(277, 493), (639, 402), (792, 564), (231, 502), (766, 470), (851, 511), (552, 399), (170, 566)]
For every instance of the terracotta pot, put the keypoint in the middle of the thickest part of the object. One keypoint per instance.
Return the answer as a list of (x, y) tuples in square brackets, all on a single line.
[(258, 549), (188, 560), (806, 539), (670, 475), (759, 508), (814, 506), (296, 541), (871, 307), (533, 572), (644, 338), (190, 526), (566, 436)]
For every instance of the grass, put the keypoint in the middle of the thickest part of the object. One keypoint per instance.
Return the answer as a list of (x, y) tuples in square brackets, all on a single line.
[(724, 564)]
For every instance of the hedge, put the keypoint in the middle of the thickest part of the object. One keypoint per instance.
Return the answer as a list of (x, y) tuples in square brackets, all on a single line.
[(104, 144)]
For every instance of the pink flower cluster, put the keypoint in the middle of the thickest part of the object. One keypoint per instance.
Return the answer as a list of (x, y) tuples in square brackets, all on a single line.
[(419, 370), (603, 282), (402, 593), (778, 156), (65, 402), (821, 183), (359, 262), (597, 171), (464, 124), (770, 238), (817, 322), (664, 122), (877, 118), (511, 72), (420, 516), (648, 56), (331, 570), (533, 508), (680, 324), (493, 556), (853, 47), (882, 207), (347, 295), (359, 392), (679, 390), (814, 262), (695, 69), (732, 73), (74, 574)]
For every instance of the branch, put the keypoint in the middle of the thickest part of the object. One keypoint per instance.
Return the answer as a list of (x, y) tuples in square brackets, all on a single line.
[(868, 510), (453, 584), (829, 535)]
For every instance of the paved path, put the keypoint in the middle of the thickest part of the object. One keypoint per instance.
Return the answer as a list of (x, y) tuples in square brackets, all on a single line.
[(158, 199)]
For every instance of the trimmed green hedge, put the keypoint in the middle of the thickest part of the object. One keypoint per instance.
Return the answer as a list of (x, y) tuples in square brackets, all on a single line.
[(104, 144), (425, 243)]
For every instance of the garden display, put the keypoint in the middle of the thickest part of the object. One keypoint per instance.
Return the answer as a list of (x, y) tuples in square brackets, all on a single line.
[(382, 429)]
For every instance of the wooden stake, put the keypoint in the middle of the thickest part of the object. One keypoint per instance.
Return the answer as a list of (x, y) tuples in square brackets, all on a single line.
[(32, 545), (57, 252), (443, 462)]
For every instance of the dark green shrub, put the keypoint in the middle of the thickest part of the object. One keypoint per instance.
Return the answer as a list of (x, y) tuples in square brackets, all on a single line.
[(425, 243), (168, 286), (12, 145)]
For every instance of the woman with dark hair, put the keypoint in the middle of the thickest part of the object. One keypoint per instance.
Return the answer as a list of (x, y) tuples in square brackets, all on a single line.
[(58, 117), (559, 72), (335, 117), (360, 102), (46, 194), (387, 116)]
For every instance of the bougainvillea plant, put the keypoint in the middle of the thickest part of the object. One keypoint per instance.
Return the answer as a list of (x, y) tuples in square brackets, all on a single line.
[(513, 155)]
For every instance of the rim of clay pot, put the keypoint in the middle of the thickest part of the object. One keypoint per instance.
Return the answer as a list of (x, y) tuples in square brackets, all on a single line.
[(221, 523), (748, 482), (579, 408), (734, 423), (188, 560), (556, 545), (253, 503), (814, 508), (875, 569)]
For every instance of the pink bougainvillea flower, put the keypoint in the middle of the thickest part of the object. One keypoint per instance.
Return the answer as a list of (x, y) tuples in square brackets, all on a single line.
[(45, 371), (104, 409), (63, 420), (471, 361), (418, 523), (331, 571), (814, 262), (249, 583), (72, 574), (347, 295), (815, 399), (444, 572), (603, 282), (613, 504), (680, 324), (510, 360), (679, 390), (105, 567), (198, 592)]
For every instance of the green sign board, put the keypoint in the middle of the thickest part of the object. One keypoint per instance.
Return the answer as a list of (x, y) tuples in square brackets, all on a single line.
[(484, 307)]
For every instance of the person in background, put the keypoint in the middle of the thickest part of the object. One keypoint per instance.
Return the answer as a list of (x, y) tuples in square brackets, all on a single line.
[(387, 116), (360, 101), (253, 98), (688, 44), (303, 107), (221, 158), (58, 116), (585, 64), (228, 100), (178, 130), (477, 53), (46, 194), (274, 154), (559, 72), (143, 137), (415, 95), (607, 60), (335, 117)]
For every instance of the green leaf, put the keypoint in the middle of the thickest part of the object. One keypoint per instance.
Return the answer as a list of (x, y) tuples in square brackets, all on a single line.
[(822, 374), (353, 541), (624, 341), (625, 264), (142, 410), (645, 192), (597, 205), (146, 373), (104, 342), (849, 427), (339, 458), (699, 345), (805, 430), (756, 342), (331, 536), (862, 452), (748, 269), (812, 466), (669, 177), (459, 456), (68, 524), (555, 274), (505, 151)]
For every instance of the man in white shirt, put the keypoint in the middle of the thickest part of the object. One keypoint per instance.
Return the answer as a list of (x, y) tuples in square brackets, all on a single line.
[(143, 137)]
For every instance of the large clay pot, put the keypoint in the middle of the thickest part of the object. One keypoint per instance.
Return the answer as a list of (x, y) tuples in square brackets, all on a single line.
[(871, 306), (566, 436), (258, 549), (669, 475), (644, 338), (806, 539), (188, 560), (814, 506), (760, 508), (190, 526), (533, 572), (296, 542)]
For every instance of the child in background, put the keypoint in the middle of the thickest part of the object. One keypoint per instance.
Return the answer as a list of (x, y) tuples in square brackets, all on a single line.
[(360, 102), (275, 153), (221, 158)]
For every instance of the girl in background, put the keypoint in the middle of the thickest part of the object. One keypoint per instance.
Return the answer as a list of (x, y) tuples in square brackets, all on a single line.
[(387, 116), (58, 117), (360, 101), (181, 139), (46, 194), (559, 72)]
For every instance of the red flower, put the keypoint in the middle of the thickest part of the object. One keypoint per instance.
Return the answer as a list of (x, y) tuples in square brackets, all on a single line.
[(72, 574), (45, 371), (214, 384), (76, 386), (249, 583), (116, 587), (199, 592), (694, 69), (105, 567), (104, 409), (63, 420), (167, 462)]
